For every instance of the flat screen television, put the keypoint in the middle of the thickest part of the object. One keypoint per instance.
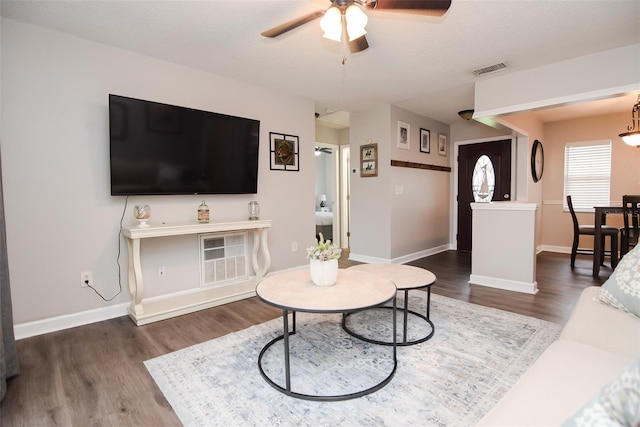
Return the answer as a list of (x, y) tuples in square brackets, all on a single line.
[(160, 149)]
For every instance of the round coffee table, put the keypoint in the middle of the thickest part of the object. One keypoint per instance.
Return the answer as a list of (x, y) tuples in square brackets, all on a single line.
[(406, 278), (294, 291)]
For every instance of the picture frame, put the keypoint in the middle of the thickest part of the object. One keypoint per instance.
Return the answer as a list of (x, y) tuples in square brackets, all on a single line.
[(442, 144), (368, 160), (284, 152), (404, 135), (425, 140)]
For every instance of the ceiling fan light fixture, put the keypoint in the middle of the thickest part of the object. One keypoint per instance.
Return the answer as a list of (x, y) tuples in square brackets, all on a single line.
[(632, 136), (356, 22), (331, 24)]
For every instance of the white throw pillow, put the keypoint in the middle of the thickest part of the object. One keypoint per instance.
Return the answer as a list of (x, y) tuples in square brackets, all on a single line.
[(617, 404), (622, 289)]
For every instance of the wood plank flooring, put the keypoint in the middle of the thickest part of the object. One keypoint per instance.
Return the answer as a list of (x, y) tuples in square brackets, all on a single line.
[(94, 375)]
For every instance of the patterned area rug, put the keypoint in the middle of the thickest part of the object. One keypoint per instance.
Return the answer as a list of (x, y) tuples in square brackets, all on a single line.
[(453, 379)]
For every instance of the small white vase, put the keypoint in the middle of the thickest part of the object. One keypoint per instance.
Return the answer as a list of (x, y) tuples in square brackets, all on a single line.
[(324, 273)]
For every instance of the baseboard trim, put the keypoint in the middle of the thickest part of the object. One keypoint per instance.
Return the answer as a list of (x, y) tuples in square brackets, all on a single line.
[(400, 260), (67, 321), (421, 254), (556, 249), (509, 285)]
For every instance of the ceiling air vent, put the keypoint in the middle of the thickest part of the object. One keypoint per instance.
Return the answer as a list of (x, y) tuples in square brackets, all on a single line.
[(490, 69)]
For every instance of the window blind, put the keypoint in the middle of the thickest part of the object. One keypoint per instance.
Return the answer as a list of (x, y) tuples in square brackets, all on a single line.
[(587, 174)]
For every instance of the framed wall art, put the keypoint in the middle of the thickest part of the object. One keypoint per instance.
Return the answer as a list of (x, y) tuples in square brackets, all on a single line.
[(442, 144), (284, 152), (369, 160), (425, 140), (404, 140)]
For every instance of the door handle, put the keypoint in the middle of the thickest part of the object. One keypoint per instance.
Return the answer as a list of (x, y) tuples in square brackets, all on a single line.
[(505, 196)]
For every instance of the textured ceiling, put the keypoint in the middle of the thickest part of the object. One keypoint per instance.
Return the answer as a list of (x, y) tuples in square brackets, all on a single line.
[(419, 63)]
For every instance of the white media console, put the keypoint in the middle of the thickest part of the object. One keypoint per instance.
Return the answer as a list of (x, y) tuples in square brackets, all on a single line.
[(142, 313)]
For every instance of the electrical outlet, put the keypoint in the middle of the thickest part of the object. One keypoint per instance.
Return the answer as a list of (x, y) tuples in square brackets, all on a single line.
[(161, 272), (86, 279), (294, 246)]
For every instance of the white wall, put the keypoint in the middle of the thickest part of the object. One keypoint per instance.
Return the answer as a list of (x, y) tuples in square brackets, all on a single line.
[(588, 77), (420, 216), (369, 223), (390, 227), (60, 216)]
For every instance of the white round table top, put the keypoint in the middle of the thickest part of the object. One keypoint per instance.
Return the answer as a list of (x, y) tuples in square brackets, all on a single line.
[(353, 290), (403, 276)]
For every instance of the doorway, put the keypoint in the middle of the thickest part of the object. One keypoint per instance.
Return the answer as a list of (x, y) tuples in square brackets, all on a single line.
[(328, 199), (484, 174)]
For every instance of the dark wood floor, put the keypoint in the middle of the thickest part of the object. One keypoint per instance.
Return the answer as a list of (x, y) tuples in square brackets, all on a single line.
[(94, 375)]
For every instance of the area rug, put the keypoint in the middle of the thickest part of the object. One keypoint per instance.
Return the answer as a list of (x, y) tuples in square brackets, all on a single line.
[(476, 354)]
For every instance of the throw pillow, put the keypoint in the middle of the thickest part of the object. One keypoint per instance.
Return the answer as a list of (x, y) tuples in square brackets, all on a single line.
[(622, 289), (617, 404)]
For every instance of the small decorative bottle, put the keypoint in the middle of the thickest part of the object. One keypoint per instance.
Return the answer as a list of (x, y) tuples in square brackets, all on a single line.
[(254, 211), (203, 213)]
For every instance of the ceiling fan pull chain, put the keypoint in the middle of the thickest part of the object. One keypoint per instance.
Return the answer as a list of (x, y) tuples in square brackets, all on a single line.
[(345, 39)]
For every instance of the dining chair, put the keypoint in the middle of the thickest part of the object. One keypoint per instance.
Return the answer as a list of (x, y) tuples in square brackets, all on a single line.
[(589, 230), (629, 233)]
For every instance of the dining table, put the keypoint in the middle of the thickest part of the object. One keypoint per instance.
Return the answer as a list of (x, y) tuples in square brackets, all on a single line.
[(601, 213)]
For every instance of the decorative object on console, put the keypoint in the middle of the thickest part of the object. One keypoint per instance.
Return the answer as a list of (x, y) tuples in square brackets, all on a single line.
[(203, 213), (254, 211), (632, 136), (369, 159), (323, 264), (283, 152), (142, 214)]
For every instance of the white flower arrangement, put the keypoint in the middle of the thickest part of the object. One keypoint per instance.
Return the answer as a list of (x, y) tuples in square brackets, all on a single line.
[(324, 250)]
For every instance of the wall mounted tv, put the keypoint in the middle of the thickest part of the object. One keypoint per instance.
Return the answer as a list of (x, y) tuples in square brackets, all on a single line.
[(160, 149)]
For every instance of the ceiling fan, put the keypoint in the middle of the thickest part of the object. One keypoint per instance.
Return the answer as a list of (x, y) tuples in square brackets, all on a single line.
[(344, 20), (320, 150)]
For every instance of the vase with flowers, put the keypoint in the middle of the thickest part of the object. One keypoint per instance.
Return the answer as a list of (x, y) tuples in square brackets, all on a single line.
[(323, 261)]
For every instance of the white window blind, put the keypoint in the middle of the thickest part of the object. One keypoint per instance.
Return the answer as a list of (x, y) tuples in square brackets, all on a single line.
[(587, 174)]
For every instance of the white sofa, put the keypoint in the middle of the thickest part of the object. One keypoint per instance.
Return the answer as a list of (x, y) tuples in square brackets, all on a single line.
[(597, 344)]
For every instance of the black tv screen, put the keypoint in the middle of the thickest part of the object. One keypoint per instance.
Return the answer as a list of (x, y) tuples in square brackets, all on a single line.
[(160, 149)]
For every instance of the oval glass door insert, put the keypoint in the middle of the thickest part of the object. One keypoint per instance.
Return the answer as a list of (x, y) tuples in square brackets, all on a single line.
[(483, 182)]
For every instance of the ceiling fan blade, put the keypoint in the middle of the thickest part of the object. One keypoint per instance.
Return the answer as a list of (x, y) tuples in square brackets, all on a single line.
[(358, 45), (290, 25), (422, 7)]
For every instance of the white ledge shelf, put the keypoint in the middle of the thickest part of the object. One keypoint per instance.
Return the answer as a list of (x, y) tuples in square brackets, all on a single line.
[(163, 230), (142, 312)]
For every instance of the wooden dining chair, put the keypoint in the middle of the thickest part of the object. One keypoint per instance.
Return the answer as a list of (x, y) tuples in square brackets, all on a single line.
[(629, 233), (589, 230)]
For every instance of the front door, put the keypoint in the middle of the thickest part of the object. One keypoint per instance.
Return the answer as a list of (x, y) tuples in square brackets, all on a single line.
[(484, 173)]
